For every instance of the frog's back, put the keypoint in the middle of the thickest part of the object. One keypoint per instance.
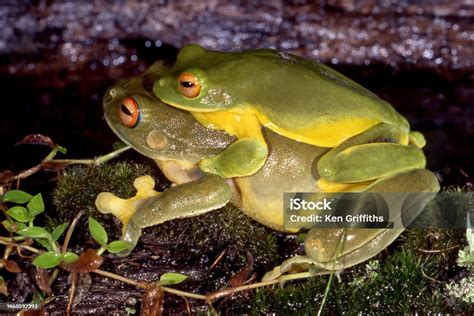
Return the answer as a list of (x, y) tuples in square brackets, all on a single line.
[(307, 101)]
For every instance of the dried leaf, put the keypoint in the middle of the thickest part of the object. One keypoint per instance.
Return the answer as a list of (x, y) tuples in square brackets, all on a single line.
[(37, 139), (12, 266), (152, 301), (6, 177), (41, 279), (240, 277), (88, 261), (3, 287)]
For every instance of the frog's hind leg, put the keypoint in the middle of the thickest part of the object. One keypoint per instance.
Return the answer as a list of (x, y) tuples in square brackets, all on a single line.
[(405, 195), (381, 151)]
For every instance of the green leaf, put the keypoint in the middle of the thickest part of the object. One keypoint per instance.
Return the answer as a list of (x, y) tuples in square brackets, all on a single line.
[(117, 246), (20, 214), (17, 196), (45, 243), (13, 226), (62, 150), (48, 260), (171, 278), (70, 257), (97, 231), (59, 230), (34, 232), (36, 205)]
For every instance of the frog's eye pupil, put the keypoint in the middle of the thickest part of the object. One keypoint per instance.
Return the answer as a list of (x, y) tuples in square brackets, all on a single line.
[(129, 112), (189, 85), (125, 110)]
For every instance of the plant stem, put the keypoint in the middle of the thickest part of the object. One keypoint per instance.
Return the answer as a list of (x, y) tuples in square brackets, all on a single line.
[(97, 161), (70, 230), (29, 248), (281, 279)]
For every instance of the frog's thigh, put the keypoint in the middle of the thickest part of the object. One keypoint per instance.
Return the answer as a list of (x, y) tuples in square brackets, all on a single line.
[(370, 161), (186, 200), (242, 158), (361, 244)]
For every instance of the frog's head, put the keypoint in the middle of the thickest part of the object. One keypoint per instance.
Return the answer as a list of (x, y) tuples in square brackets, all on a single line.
[(154, 129), (199, 80)]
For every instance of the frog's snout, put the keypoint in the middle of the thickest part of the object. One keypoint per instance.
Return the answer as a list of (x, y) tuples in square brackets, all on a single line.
[(156, 140)]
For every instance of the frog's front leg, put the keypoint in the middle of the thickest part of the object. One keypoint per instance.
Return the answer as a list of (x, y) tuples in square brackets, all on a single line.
[(243, 157), (377, 153), (150, 207)]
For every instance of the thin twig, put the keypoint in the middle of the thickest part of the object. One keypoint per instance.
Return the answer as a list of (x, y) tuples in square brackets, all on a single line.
[(29, 248), (219, 257), (72, 292), (117, 277), (438, 250), (281, 279), (70, 230)]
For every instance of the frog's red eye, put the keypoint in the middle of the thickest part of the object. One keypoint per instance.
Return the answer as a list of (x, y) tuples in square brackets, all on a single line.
[(129, 112), (189, 85)]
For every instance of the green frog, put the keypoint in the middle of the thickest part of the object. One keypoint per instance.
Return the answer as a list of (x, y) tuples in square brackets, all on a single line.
[(241, 92), (179, 143)]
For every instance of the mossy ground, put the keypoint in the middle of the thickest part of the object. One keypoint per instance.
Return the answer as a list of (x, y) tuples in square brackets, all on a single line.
[(409, 277)]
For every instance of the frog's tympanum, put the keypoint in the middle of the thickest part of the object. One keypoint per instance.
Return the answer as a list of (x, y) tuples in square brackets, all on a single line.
[(251, 126)]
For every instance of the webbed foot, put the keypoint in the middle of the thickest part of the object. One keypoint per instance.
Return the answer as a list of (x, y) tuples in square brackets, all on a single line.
[(124, 209)]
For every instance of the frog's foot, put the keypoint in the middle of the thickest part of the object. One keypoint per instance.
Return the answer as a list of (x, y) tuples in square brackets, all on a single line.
[(293, 265), (242, 158), (124, 209)]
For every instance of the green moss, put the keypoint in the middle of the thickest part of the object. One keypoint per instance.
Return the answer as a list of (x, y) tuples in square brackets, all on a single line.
[(79, 186), (398, 285)]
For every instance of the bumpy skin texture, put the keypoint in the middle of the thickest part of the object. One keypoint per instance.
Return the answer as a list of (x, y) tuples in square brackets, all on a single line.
[(179, 143), (240, 92)]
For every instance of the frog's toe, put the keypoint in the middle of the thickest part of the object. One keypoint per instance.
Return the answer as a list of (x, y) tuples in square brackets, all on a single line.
[(292, 265), (144, 186), (207, 165), (123, 209)]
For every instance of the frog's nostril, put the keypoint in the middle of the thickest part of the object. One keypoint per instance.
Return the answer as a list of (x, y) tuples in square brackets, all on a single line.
[(156, 140)]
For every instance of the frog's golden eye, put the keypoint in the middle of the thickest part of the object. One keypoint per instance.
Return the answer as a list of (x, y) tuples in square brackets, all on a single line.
[(129, 112), (189, 85)]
